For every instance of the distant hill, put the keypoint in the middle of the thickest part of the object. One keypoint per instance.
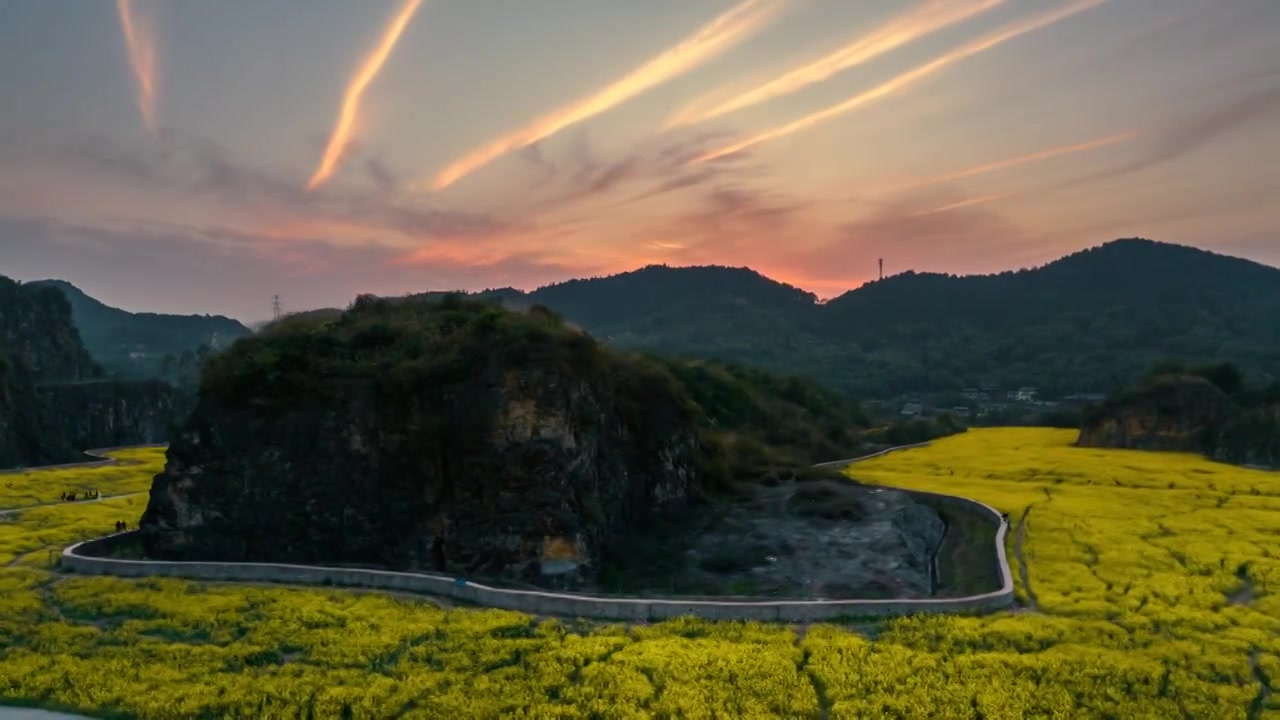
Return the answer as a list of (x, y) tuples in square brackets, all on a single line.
[(134, 345), (1090, 322)]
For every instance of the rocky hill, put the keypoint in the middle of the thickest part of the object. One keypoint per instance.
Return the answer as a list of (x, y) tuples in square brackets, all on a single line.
[(143, 346), (54, 401), (1207, 410), (1090, 322), (459, 436)]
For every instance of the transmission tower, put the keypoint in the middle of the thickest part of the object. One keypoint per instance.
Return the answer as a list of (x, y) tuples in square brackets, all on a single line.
[(881, 268), (275, 307)]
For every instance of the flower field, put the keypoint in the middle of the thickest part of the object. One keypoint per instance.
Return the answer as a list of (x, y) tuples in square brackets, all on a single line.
[(1147, 588), (38, 487)]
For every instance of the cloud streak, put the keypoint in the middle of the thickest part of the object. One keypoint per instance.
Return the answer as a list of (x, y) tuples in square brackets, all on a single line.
[(1018, 160), (922, 20), (901, 82), (724, 32), (139, 40), (1183, 137), (367, 71)]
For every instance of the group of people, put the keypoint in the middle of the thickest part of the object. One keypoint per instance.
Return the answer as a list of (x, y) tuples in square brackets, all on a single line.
[(121, 526), (86, 495)]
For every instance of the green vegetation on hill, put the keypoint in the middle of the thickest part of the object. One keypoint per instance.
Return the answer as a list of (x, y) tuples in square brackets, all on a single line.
[(1090, 322), (146, 345), (751, 422)]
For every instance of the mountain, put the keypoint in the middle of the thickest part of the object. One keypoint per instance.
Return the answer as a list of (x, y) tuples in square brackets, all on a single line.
[(1090, 322), (54, 401), (134, 345)]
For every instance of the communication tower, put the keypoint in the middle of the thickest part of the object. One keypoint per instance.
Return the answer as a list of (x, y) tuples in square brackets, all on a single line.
[(275, 307)]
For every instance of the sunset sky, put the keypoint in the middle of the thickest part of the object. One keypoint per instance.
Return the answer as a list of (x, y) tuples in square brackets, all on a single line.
[(203, 155)]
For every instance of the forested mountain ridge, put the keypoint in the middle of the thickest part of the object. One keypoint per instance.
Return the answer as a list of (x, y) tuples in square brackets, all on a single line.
[(1092, 321), (1089, 322), (135, 345)]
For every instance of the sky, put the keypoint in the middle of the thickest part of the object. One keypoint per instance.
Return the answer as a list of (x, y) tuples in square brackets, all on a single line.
[(201, 157)]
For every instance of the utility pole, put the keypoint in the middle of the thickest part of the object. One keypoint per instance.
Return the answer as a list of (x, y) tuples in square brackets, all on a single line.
[(881, 268), (275, 307)]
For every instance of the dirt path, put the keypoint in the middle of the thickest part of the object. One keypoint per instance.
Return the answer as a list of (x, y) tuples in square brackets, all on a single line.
[(1024, 571)]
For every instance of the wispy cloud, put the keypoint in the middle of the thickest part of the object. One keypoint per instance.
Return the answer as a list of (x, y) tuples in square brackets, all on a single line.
[(901, 82), (1180, 137), (967, 202), (193, 167), (140, 41), (924, 19), (1023, 159), (367, 71), (721, 34)]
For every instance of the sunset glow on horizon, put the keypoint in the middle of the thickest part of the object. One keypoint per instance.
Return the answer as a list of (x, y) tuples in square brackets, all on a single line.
[(322, 150)]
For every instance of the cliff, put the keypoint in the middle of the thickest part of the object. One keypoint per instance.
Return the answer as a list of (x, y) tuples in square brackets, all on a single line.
[(110, 413), (141, 346), (1207, 411), (449, 436), (1173, 413), (1251, 437), (36, 331), (52, 403)]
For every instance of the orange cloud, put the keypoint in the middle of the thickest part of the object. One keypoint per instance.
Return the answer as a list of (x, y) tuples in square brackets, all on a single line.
[(922, 20), (139, 39), (721, 34), (351, 100), (906, 79)]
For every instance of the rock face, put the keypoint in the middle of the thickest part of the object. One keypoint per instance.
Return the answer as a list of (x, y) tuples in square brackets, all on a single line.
[(1188, 413), (1251, 438), (36, 331), (1173, 414), (454, 437), (111, 413), (53, 403)]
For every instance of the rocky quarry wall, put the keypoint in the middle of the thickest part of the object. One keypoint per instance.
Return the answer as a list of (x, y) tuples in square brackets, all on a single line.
[(92, 558)]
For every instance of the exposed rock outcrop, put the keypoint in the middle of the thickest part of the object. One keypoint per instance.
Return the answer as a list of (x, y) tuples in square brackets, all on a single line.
[(1176, 413), (52, 403), (1189, 413), (456, 437), (1251, 437), (111, 413), (36, 331)]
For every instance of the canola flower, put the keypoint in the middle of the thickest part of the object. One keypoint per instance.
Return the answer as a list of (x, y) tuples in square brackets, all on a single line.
[(1149, 595), (40, 487)]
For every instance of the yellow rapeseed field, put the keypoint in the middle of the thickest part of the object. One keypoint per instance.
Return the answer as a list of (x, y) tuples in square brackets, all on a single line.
[(1148, 597), (39, 487)]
